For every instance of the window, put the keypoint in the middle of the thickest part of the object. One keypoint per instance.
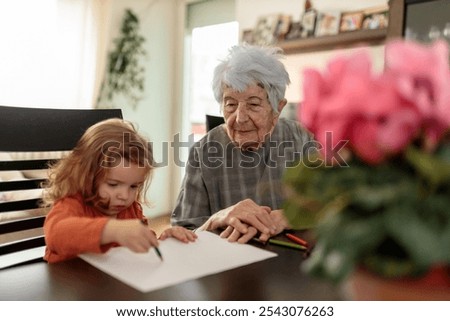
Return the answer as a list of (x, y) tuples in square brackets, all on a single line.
[(48, 53), (211, 30), (209, 45)]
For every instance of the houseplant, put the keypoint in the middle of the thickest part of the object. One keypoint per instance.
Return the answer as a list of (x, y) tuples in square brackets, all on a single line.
[(376, 194), (125, 74)]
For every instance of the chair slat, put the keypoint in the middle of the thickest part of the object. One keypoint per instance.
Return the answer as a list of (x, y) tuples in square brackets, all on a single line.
[(23, 261), (21, 165), (22, 245), (22, 224), (21, 185), (20, 205)]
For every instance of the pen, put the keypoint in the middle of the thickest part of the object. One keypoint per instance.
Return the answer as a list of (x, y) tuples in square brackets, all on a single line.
[(287, 244), (158, 252), (296, 239)]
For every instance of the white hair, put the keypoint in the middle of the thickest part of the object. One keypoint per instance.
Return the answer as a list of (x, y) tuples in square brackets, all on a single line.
[(248, 65)]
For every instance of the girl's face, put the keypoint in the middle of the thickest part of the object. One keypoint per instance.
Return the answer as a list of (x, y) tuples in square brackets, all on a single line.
[(248, 116), (120, 187)]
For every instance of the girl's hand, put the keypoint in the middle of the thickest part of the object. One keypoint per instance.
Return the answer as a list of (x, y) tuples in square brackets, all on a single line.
[(180, 233), (130, 233)]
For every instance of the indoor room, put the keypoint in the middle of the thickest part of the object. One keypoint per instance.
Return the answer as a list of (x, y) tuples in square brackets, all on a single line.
[(365, 86)]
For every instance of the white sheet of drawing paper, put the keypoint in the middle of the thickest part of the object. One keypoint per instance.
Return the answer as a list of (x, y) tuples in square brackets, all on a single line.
[(209, 254)]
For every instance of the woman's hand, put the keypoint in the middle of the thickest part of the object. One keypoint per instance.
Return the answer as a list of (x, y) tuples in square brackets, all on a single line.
[(129, 233), (180, 233), (241, 216), (233, 235), (280, 220)]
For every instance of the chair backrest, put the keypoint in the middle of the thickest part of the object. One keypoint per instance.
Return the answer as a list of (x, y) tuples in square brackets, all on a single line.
[(30, 140), (213, 121)]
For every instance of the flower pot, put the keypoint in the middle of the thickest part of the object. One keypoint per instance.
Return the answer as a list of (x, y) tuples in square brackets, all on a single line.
[(367, 286)]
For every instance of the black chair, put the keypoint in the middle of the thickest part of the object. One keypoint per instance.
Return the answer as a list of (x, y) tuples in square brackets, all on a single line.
[(213, 121), (25, 130)]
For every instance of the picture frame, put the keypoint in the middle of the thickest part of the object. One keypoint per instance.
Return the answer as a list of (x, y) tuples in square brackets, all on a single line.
[(295, 31), (351, 21), (308, 23), (264, 32), (327, 23), (247, 36), (376, 18), (283, 26)]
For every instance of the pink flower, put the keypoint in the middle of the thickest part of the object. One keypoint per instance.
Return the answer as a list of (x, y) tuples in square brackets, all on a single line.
[(379, 115), (423, 77), (330, 100)]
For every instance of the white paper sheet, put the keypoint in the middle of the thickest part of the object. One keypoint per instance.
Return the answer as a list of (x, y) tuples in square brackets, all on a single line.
[(209, 254)]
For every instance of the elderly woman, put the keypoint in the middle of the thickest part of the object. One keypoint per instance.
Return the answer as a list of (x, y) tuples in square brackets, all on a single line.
[(233, 175)]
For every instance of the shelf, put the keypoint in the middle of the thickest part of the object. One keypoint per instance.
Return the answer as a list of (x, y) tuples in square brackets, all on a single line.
[(342, 40)]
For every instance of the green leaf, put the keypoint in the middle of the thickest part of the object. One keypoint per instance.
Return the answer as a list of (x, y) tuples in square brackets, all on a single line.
[(386, 217), (371, 198), (434, 168), (425, 239), (342, 242)]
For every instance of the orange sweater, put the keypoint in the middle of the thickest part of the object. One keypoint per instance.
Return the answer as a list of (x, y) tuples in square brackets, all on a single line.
[(73, 227)]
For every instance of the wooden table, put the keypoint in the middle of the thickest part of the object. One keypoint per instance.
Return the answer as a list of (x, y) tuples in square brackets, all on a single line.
[(278, 278)]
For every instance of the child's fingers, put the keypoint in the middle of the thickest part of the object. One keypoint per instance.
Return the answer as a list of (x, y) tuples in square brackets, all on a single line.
[(164, 235), (192, 236), (180, 233), (141, 246)]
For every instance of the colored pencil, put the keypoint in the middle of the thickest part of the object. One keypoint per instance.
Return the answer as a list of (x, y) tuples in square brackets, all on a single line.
[(287, 244), (296, 239)]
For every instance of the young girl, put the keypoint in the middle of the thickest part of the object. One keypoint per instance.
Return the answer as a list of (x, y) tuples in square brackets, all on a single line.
[(95, 195)]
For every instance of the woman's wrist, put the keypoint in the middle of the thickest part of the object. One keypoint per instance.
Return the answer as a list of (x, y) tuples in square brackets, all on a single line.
[(213, 223), (281, 220)]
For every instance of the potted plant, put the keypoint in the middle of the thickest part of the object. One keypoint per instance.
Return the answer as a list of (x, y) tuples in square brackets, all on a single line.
[(125, 74), (377, 193)]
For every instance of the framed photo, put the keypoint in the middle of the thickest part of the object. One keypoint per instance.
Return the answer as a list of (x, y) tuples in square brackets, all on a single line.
[(376, 18), (264, 32), (247, 36), (327, 24), (308, 23), (295, 31), (351, 21), (284, 23)]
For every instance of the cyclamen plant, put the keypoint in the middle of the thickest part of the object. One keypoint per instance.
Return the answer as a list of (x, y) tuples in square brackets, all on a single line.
[(382, 200)]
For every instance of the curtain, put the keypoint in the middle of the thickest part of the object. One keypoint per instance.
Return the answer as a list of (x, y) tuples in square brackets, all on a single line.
[(53, 52)]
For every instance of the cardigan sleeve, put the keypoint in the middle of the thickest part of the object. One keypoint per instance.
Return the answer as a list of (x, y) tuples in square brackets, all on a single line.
[(192, 208)]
